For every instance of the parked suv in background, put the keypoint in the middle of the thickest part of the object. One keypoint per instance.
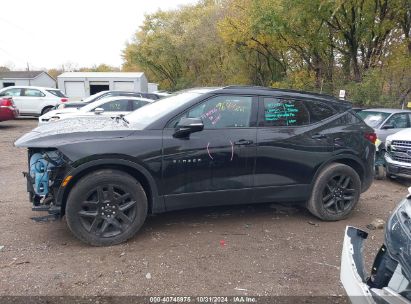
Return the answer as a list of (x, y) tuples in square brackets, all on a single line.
[(386, 121), (201, 147), (34, 101)]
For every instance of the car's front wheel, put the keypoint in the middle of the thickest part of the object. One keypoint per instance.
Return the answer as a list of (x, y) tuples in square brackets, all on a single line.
[(335, 193), (106, 207)]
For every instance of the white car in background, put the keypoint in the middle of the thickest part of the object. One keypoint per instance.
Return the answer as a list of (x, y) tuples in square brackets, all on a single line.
[(111, 106), (34, 101)]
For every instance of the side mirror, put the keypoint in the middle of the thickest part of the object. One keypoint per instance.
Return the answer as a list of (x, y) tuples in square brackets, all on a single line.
[(186, 126), (387, 126), (98, 111)]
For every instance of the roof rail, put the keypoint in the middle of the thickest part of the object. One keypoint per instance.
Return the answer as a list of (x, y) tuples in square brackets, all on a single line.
[(284, 90)]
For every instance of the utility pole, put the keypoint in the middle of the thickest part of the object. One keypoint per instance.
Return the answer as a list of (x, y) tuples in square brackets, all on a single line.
[(28, 67)]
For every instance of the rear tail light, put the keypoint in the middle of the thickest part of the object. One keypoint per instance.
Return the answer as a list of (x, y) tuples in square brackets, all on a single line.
[(372, 137), (6, 103), (64, 99)]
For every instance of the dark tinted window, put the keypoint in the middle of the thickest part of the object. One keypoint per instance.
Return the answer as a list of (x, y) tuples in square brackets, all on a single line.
[(56, 93), (319, 110), (221, 112), (282, 112), (115, 106)]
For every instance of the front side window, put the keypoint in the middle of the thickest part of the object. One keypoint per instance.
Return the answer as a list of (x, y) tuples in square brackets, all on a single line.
[(33, 93), (221, 112), (12, 92), (115, 106), (282, 113), (398, 121)]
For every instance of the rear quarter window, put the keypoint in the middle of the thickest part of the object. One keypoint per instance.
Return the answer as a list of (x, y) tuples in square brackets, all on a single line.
[(57, 93), (319, 110)]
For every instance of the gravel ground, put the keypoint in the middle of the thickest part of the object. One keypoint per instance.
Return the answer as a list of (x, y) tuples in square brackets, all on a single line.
[(267, 249)]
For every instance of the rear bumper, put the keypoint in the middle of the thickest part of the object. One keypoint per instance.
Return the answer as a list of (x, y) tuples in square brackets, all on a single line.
[(8, 113), (352, 273)]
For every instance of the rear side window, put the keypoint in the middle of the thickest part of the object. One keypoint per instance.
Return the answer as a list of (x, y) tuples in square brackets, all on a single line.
[(115, 106), (33, 93), (57, 93), (319, 110), (283, 112), (138, 104)]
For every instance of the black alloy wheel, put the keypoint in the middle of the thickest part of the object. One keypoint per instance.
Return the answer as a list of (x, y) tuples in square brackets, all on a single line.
[(108, 211), (338, 195), (106, 207)]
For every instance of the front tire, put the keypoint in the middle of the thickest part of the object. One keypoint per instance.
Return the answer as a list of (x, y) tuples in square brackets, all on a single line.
[(335, 193), (106, 207)]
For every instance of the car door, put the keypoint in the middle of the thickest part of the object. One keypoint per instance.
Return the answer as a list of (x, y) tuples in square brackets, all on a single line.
[(116, 107), (289, 149), (32, 101), (16, 94), (393, 124), (214, 166)]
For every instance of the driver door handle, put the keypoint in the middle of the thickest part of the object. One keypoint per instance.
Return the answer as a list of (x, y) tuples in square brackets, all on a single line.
[(243, 142)]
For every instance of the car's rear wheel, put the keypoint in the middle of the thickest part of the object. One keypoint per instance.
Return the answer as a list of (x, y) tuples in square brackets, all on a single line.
[(335, 193), (106, 207)]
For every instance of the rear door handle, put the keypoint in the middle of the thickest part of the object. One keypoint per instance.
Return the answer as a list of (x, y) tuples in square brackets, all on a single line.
[(318, 136), (243, 142)]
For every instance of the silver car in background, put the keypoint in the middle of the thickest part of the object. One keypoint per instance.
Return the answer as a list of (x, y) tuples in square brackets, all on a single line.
[(386, 121)]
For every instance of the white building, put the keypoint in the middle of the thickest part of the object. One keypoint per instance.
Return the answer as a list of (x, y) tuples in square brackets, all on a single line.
[(77, 85), (26, 78), (152, 87)]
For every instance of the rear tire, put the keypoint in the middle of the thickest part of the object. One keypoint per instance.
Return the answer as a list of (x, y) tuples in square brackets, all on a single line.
[(335, 193), (106, 207)]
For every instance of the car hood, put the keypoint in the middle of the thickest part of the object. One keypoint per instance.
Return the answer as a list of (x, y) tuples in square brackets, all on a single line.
[(401, 135), (74, 129)]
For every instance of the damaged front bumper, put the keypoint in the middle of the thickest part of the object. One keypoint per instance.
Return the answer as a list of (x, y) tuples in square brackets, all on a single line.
[(360, 288), (44, 177), (352, 267)]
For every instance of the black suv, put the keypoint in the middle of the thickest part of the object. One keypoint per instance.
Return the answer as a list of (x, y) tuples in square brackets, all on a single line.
[(200, 147)]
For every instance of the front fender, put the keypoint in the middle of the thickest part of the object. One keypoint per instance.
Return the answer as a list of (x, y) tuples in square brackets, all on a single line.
[(157, 202)]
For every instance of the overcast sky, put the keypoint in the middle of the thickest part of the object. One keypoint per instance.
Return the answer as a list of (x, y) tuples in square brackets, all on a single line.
[(49, 33)]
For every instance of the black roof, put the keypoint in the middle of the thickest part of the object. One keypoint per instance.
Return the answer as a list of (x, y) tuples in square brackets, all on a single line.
[(20, 74)]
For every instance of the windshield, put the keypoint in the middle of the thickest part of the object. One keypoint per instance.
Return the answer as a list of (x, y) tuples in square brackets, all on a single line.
[(373, 118), (153, 111), (94, 97), (91, 106)]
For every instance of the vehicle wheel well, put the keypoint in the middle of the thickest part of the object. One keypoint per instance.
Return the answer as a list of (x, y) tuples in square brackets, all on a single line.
[(43, 111), (133, 172), (353, 164)]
